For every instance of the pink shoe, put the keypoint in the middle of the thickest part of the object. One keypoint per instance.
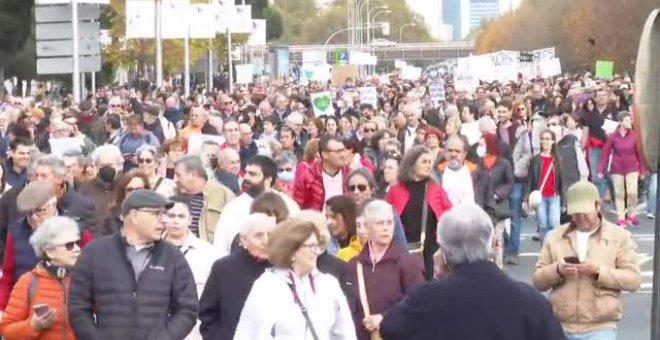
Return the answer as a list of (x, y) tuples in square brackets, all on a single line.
[(633, 220), (622, 223)]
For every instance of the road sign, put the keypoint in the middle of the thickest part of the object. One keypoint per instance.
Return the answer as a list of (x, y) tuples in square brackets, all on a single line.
[(60, 31), (62, 13), (200, 22), (340, 56), (63, 48), (65, 65)]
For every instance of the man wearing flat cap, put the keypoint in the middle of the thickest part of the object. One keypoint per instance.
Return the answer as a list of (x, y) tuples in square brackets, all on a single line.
[(139, 286), (586, 264), (36, 202)]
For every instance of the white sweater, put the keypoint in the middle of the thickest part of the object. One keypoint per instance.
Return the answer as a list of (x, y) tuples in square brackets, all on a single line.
[(233, 217), (270, 311)]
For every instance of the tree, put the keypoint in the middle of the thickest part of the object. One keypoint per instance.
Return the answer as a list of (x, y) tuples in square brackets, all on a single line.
[(274, 23), (15, 27)]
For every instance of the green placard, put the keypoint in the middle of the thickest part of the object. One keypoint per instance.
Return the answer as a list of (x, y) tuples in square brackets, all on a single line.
[(604, 69)]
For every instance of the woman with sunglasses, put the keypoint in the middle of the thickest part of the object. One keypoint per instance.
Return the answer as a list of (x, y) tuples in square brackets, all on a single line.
[(37, 306), (127, 183), (148, 161)]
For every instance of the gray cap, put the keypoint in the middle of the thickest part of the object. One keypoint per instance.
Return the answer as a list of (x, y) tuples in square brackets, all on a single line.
[(34, 196), (143, 198)]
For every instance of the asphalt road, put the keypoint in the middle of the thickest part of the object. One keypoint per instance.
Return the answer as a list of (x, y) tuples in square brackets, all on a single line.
[(636, 322)]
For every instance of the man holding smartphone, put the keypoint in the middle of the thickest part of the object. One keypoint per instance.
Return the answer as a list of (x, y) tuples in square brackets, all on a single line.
[(586, 264)]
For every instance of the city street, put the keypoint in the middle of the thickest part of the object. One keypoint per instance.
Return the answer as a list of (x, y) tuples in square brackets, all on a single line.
[(635, 324)]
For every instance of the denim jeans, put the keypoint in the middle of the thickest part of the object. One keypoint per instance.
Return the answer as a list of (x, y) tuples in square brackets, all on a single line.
[(513, 241), (548, 214), (594, 158), (651, 192), (601, 334)]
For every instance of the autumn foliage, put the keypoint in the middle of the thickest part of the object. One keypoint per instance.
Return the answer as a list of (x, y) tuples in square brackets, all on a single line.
[(583, 31)]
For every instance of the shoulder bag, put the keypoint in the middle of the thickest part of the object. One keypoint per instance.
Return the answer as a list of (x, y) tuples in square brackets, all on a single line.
[(535, 197)]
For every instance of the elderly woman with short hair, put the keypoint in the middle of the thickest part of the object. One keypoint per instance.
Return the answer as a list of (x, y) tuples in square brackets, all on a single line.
[(382, 274), (419, 201), (37, 306), (148, 160), (286, 172), (294, 300)]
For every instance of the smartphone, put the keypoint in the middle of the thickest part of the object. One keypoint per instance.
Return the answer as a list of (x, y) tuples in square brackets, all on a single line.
[(572, 259), (41, 309)]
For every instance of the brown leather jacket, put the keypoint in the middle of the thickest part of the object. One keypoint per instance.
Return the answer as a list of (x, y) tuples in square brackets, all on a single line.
[(584, 304)]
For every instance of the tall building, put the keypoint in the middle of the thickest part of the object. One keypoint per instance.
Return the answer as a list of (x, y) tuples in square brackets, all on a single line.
[(482, 10), (456, 13)]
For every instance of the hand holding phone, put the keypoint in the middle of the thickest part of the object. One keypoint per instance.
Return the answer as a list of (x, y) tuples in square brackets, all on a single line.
[(41, 309), (43, 317), (572, 259)]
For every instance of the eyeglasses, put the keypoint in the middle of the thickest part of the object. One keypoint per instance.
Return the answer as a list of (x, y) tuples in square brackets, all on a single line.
[(41, 212), (553, 124), (313, 247), (284, 169), (115, 105), (522, 108), (145, 160), (69, 245), (228, 103), (369, 130), (337, 150), (359, 187), (130, 189)]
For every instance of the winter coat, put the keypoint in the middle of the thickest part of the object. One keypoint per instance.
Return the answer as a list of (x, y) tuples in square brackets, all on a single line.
[(308, 190), (107, 302)]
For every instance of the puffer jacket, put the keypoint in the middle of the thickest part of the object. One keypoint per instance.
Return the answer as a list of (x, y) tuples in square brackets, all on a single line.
[(50, 290), (582, 303), (308, 189), (106, 301)]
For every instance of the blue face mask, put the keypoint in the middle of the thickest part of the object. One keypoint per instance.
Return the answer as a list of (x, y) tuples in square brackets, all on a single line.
[(286, 176)]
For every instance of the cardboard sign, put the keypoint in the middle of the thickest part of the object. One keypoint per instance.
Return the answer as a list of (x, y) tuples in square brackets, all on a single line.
[(369, 95), (341, 72), (322, 104), (411, 73), (244, 73)]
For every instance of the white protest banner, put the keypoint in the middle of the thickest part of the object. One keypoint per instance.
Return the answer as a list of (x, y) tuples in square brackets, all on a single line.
[(437, 90), (411, 73), (322, 103), (244, 73), (400, 64), (550, 68), (368, 95), (195, 142), (60, 146)]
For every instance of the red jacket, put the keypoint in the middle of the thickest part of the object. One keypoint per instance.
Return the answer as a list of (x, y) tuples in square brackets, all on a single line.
[(308, 190), (398, 196)]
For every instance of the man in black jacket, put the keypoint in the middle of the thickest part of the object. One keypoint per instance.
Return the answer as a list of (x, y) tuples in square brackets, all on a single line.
[(459, 305), (131, 285)]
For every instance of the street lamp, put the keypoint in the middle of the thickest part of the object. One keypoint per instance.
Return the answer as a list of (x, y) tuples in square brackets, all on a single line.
[(373, 33), (404, 26), (360, 7), (369, 20), (345, 29)]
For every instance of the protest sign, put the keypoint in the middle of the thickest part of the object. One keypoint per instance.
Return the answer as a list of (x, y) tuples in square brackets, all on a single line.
[(61, 146), (604, 69), (322, 104), (368, 95), (244, 73), (437, 90)]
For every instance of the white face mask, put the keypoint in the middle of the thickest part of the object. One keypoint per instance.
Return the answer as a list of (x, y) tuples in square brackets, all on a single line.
[(481, 151)]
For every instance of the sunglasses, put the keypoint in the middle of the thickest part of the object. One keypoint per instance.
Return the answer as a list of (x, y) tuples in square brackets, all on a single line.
[(369, 130), (70, 245), (359, 187), (145, 160), (228, 103)]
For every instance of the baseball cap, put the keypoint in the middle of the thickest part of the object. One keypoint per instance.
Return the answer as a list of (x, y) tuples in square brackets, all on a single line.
[(580, 198), (34, 196), (143, 198)]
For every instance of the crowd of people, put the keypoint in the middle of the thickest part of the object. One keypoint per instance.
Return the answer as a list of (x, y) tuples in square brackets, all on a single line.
[(139, 213)]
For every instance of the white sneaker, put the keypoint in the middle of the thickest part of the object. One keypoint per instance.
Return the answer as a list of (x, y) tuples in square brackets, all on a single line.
[(650, 216)]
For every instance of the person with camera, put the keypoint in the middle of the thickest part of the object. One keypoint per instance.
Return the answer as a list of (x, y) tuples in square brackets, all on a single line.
[(586, 264), (37, 306)]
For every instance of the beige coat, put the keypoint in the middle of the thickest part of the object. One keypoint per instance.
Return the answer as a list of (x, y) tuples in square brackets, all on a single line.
[(216, 196), (585, 303)]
